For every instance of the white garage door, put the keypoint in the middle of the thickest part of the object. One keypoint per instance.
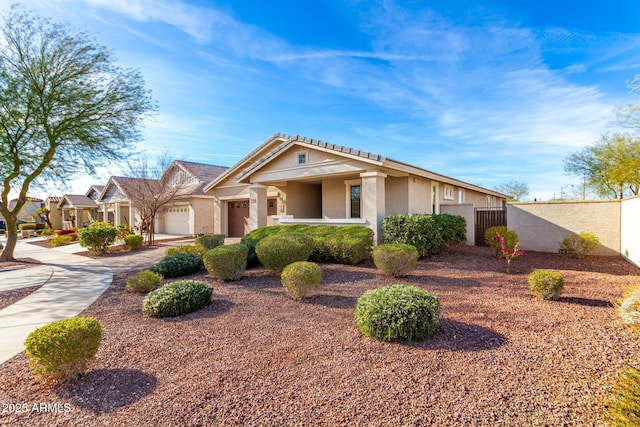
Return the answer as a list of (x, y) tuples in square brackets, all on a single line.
[(176, 221)]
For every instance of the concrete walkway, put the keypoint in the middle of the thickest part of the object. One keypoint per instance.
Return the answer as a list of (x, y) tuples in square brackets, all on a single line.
[(69, 284)]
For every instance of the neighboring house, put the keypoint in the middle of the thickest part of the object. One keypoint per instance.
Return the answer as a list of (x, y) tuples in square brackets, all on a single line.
[(55, 214), (28, 211), (191, 213), (291, 179), (79, 210)]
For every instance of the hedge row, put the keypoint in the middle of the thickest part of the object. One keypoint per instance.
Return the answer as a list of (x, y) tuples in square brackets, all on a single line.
[(428, 233), (350, 244)]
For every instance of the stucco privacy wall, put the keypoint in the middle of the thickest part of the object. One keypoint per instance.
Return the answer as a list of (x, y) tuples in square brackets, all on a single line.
[(541, 225), (467, 212), (630, 229)]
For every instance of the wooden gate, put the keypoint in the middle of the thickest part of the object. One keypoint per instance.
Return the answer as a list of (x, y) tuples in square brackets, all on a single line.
[(487, 218)]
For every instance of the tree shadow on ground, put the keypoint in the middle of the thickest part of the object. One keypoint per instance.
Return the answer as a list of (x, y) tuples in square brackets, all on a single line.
[(105, 390), (586, 302), (459, 336), (216, 308)]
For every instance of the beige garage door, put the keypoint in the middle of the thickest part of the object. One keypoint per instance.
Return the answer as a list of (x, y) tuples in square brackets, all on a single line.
[(176, 221)]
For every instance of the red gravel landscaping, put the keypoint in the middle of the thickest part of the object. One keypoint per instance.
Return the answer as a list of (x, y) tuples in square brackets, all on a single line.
[(256, 357)]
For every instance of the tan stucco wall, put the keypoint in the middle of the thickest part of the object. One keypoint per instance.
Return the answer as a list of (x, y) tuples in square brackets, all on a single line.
[(630, 230), (542, 225), (203, 214), (397, 195), (419, 196), (303, 200), (334, 198), (467, 212)]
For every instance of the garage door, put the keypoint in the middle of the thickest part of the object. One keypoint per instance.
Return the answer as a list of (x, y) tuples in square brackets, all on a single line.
[(176, 221)]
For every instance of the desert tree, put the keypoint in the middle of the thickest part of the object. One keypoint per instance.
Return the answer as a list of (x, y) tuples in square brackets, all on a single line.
[(610, 167), (65, 107), (516, 190), (153, 185)]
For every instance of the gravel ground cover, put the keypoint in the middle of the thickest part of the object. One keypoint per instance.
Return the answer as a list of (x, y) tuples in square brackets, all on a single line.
[(256, 357)]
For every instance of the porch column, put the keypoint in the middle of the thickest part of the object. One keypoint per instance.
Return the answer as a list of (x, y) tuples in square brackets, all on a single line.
[(79, 217), (116, 218), (373, 201), (132, 215), (105, 212), (220, 209), (257, 206)]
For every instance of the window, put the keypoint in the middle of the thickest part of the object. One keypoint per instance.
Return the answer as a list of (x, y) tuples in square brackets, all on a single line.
[(448, 192), (302, 157), (354, 195), (461, 196)]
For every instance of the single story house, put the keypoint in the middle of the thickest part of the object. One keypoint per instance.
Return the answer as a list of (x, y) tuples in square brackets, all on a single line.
[(190, 212), (292, 179)]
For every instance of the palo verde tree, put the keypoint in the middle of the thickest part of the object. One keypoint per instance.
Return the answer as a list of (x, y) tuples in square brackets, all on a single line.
[(611, 167), (154, 184), (64, 107)]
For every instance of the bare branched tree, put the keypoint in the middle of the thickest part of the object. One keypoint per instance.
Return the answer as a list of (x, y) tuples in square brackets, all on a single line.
[(155, 186)]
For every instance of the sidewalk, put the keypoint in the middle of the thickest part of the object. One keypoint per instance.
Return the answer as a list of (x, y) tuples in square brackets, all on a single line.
[(71, 283)]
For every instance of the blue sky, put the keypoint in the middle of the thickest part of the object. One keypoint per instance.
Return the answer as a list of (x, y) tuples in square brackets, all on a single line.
[(483, 91)]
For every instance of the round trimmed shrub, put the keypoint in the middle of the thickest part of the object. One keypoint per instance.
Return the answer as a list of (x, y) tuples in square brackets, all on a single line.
[(395, 259), (277, 251), (198, 250), (210, 241), (177, 298), (397, 313), (227, 262), (178, 265), (143, 282), (301, 278), (97, 239), (133, 241), (580, 245), (61, 350), (545, 284)]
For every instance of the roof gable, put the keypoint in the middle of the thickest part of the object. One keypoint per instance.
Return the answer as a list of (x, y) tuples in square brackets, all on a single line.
[(77, 201)]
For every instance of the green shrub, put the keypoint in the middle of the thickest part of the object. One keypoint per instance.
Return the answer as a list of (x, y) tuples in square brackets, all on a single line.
[(133, 241), (178, 265), (397, 313), (624, 404), (277, 251), (350, 244), (226, 262), (301, 278), (342, 245), (97, 239), (48, 233), (61, 240), (395, 259), (122, 231), (198, 250), (177, 298), (428, 233), (629, 307), (61, 350), (144, 281), (580, 245), (493, 241), (210, 241), (546, 284)]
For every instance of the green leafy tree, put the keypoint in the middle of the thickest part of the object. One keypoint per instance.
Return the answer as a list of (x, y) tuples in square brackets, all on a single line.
[(516, 190), (64, 108), (611, 167)]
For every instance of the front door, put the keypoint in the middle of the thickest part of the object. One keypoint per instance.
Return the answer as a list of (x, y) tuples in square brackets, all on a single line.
[(238, 218)]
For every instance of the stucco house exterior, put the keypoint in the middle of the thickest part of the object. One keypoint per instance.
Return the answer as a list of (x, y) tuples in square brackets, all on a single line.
[(191, 213), (292, 179)]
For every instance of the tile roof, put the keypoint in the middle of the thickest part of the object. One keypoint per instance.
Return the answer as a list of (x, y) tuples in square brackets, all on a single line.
[(78, 201), (203, 172)]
